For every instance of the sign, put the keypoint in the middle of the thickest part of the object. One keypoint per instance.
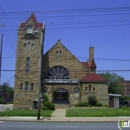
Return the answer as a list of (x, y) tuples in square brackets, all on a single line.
[(61, 81), (123, 124)]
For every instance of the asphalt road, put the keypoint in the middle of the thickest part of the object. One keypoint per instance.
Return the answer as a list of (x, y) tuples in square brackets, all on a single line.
[(56, 126)]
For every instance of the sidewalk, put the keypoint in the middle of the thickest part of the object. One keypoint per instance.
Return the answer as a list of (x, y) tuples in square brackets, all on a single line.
[(59, 116)]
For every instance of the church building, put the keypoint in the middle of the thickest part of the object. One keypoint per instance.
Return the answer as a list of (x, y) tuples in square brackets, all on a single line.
[(63, 77)]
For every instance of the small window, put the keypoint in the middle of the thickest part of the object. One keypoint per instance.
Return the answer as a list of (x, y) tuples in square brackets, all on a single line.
[(76, 90), (29, 45), (21, 86), (93, 88), (60, 53), (32, 85), (86, 88), (32, 47), (27, 65), (25, 45), (89, 87), (26, 86), (45, 90)]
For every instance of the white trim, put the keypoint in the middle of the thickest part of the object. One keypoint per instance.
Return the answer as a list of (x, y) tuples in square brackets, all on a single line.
[(115, 95)]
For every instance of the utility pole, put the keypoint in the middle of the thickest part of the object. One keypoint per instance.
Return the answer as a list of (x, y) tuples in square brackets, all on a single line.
[(1, 54), (1, 46), (39, 79), (39, 90)]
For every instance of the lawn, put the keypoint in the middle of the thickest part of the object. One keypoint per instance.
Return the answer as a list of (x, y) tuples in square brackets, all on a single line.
[(97, 112), (45, 113)]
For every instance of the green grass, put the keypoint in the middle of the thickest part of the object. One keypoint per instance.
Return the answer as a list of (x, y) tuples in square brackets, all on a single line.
[(97, 112), (45, 113)]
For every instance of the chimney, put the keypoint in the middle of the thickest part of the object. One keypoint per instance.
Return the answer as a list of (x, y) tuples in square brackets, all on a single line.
[(91, 54)]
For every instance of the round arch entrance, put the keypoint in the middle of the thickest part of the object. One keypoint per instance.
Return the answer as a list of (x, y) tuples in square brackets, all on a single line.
[(60, 96)]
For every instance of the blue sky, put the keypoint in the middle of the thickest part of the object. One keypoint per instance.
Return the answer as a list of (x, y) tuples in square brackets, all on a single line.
[(79, 24)]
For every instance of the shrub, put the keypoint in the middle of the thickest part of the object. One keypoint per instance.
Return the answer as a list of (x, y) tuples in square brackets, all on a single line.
[(45, 108), (89, 105), (104, 105), (98, 104), (45, 97), (76, 105), (92, 100), (125, 107), (49, 105), (81, 104)]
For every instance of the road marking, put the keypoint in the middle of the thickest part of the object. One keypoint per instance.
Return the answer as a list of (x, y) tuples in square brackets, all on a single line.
[(69, 126)]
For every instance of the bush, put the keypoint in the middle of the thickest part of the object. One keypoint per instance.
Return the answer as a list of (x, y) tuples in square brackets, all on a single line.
[(49, 105), (45, 108), (125, 107), (104, 105), (81, 104), (45, 97), (89, 105), (99, 104), (92, 100)]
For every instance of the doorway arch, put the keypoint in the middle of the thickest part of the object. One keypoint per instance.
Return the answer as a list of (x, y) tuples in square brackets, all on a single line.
[(60, 96)]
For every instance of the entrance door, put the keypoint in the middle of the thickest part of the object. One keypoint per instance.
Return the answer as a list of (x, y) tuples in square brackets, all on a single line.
[(61, 96), (111, 102)]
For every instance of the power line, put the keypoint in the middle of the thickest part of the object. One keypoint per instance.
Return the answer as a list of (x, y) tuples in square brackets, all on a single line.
[(79, 57), (71, 10), (75, 70)]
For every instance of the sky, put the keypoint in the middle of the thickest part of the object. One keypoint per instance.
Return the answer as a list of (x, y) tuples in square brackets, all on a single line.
[(79, 24)]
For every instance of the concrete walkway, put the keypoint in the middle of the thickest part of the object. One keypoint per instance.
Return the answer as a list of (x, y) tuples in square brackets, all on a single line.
[(59, 113)]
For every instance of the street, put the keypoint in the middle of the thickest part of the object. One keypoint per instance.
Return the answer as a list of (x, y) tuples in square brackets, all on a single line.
[(56, 126)]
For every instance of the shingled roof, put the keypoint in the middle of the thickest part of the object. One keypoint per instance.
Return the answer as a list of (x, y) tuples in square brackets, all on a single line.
[(94, 78)]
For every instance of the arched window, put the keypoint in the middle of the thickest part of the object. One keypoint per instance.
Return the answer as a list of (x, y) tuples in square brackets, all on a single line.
[(57, 53), (27, 65), (60, 53), (58, 72), (29, 29)]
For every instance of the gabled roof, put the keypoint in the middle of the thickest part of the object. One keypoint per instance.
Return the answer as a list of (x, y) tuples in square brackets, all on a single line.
[(93, 64), (32, 16), (85, 64), (94, 78)]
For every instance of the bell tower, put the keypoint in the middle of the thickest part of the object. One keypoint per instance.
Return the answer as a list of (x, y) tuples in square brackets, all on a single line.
[(29, 48)]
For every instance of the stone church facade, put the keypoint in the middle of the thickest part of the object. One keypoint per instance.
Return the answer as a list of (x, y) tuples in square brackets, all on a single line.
[(64, 78)]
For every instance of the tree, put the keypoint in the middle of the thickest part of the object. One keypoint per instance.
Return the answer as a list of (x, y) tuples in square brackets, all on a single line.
[(6, 93), (114, 85)]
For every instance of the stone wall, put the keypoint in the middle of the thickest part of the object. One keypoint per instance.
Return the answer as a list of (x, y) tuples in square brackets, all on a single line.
[(100, 92)]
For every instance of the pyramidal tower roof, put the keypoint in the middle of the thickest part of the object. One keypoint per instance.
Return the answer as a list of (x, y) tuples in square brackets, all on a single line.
[(33, 19)]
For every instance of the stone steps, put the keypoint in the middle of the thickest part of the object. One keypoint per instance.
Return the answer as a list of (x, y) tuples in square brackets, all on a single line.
[(61, 106)]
